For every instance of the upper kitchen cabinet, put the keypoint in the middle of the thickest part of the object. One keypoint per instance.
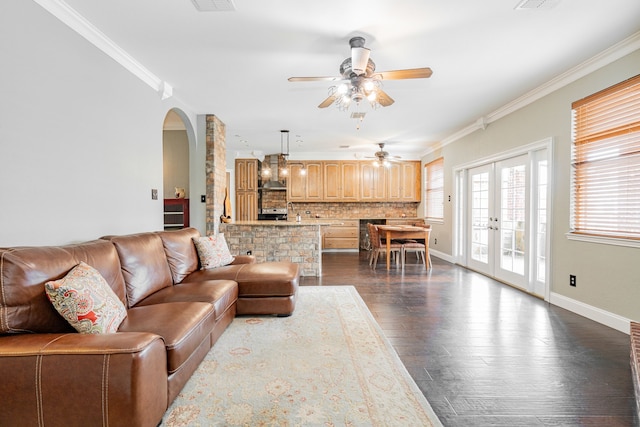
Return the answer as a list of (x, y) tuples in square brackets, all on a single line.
[(307, 186), (403, 182), (341, 181), (246, 189), (246, 174), (353, 181), (373, 183)]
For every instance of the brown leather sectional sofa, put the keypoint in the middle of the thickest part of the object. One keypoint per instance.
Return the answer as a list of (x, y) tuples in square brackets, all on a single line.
[(50, 375)]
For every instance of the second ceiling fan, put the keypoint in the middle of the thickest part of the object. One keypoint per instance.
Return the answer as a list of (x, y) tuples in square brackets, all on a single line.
[(360, 80)]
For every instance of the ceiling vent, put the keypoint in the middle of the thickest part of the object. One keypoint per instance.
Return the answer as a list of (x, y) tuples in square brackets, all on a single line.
[(214, 5), (537, 4)]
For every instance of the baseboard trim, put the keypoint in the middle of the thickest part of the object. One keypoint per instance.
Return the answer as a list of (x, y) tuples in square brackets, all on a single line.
[(590, 312), (441, 255)]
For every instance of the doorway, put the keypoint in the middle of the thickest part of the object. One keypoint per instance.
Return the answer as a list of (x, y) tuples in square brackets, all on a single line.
[(175, 158), (502, 207)]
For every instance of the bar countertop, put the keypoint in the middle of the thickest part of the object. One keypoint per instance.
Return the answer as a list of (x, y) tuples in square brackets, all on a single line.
[(281, 223)]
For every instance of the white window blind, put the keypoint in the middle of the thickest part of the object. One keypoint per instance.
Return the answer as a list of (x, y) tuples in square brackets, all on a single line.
[(606, 162), (434, 173)]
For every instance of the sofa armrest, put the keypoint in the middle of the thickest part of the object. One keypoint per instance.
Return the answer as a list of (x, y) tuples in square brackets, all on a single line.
[(79, 379), (244, 259)]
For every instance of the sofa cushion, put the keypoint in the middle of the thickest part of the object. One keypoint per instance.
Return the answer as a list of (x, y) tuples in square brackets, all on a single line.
[(180, 251), (262, 279), (223, 294), (144, 265), (24, 306), (213, 251), (182, 325), (86, 301)]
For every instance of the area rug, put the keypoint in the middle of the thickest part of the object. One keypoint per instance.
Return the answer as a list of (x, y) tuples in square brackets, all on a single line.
[(328, 364)]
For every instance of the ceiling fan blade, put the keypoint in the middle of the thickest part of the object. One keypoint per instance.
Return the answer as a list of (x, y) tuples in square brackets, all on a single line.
[(315, 79), (384, 99), (328, 101), (413, 73)]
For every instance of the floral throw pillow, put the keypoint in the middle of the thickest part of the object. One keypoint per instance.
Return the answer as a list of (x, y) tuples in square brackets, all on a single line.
[(86, 301), (213, 251)]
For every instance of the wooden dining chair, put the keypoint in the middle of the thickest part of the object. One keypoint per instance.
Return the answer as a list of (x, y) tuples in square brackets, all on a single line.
[(377, 247), (421, 249)]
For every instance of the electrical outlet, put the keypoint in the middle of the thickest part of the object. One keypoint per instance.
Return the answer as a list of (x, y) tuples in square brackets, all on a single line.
[(572, 280), (435, 241)]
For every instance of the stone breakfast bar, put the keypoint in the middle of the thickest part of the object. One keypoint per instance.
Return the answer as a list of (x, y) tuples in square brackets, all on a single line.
[(299, 242)]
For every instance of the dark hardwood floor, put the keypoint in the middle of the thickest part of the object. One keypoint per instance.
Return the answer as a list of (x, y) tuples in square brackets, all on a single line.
[(486, 354)]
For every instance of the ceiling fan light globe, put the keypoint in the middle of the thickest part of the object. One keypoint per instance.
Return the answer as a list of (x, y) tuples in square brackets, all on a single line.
[(372, 96), (343, 88), (369, 85)]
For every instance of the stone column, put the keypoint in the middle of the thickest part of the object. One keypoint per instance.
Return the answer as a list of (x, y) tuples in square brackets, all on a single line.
[(215, 169)]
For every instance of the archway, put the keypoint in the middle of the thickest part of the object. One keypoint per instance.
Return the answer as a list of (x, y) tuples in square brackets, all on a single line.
[(176, 170)]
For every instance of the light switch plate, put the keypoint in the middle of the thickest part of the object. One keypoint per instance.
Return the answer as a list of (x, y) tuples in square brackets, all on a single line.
[(154, 194)]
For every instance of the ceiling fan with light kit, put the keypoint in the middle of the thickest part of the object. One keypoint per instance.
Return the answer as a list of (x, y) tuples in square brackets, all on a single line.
[(382, 157), (359, 79)]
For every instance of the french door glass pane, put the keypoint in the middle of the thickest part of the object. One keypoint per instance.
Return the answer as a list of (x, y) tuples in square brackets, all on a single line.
[(541, 228), (513, 215), (480, 217)]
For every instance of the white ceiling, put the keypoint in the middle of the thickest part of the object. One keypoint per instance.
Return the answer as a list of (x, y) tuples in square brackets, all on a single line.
[(484, 55)]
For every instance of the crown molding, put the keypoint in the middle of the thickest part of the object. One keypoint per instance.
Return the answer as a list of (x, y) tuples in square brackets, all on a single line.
[(606, 57), (69, 16)]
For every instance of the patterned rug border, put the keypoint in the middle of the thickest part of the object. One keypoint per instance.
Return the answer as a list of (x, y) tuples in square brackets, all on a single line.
[(327, 364)]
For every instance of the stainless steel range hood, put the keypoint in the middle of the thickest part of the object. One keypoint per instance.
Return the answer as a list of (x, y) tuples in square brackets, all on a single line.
[(273, 182)]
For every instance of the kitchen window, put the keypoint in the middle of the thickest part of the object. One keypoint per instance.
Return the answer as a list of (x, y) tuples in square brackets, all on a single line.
[(606, 165), (434, 190)]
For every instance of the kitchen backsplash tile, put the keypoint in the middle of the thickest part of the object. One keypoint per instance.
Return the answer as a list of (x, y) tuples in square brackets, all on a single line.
[(354, 210)]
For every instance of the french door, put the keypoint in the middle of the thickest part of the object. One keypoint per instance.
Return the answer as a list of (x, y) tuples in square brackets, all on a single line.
[(502, 207), (498, 226)]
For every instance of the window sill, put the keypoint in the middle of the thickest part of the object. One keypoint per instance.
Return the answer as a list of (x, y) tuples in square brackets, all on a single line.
[(433, 221), (614, 241)]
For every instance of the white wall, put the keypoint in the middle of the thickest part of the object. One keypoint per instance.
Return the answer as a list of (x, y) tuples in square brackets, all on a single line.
[(80, 137), (608, 277)]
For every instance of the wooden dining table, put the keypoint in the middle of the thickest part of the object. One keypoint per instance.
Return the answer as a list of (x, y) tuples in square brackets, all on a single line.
[(404, 232)]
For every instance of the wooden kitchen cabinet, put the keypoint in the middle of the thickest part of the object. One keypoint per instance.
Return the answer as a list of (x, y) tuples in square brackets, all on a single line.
[(341, 181), (246, 189), (341, 234), (246, 174), (307, 187), (403, 182), (354, 181), (373, 183), (246, 205)]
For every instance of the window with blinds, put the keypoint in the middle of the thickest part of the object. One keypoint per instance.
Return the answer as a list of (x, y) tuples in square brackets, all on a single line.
[(434, 177), (606, 162)]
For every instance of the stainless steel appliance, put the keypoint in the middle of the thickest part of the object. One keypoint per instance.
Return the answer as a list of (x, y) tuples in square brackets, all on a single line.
[(272, 214)]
